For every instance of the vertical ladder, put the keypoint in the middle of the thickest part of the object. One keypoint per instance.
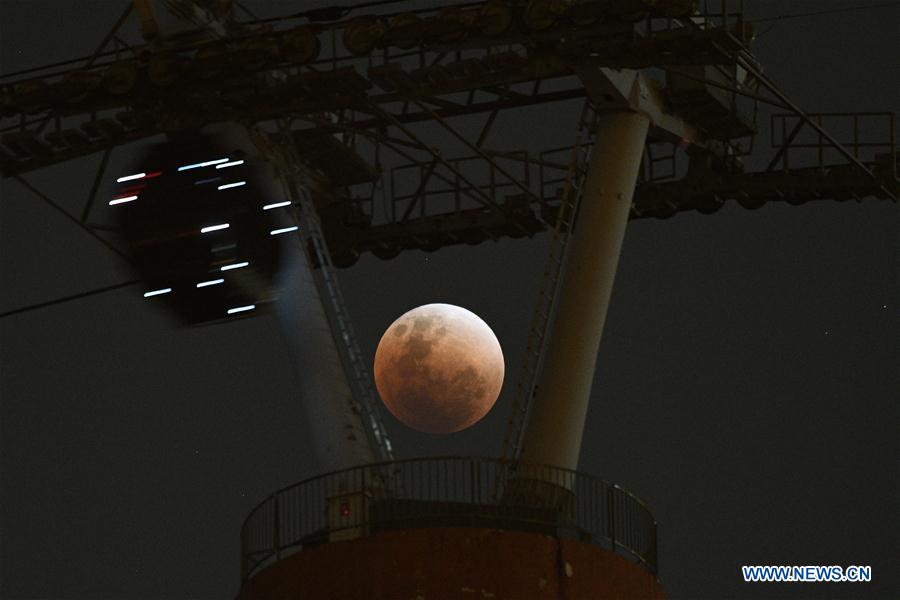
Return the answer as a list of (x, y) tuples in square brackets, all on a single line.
[(361, 381), (365, 401), (546, 300)]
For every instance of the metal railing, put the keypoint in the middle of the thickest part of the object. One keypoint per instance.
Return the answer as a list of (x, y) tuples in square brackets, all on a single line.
[(416, 188), (869, 136), (447, 492)]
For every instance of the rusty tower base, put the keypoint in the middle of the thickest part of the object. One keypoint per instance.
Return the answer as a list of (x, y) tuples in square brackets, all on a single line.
[(449, 563)]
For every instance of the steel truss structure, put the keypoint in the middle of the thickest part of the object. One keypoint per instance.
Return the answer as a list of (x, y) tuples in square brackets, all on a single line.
[(347, 104), (354, 87)]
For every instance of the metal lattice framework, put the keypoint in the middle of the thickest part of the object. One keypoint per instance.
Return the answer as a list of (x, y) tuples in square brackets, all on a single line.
[(353, 97), (352, 93), (375, 78)]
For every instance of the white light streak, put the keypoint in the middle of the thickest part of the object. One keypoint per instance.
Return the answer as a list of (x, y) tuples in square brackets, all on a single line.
[(157, 292), (238, 309), (130, 177), (203, 164), (285, 230), (210, 282), (233, 163), (234, 266), (276, 205), (122, 200), (231, 185), (210, 180), (215, 227)]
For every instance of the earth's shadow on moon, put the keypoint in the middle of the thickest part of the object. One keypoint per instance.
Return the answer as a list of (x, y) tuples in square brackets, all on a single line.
[(439, 368)]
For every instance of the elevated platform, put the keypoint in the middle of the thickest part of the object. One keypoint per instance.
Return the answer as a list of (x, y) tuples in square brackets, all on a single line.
[(450, 527)]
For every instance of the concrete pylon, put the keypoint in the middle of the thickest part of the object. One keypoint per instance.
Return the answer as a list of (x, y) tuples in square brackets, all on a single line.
[(333, 420), (555, 427), (334, 426)]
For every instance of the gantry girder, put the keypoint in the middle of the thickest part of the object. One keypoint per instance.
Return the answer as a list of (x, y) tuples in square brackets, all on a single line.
[(338, 77), (262, 73), (351, 233), (428, 208)]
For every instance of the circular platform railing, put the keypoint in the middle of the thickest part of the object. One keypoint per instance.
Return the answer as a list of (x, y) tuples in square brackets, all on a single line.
[(447, 492)]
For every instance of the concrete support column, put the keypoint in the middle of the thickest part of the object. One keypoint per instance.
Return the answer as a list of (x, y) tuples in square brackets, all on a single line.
[(556, 424), (334, 424)]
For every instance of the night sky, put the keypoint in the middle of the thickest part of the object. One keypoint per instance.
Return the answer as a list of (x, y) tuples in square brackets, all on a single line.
[(746, 387)]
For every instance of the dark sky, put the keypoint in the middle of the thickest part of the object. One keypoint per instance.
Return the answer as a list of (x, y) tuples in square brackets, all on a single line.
[(746, 387)]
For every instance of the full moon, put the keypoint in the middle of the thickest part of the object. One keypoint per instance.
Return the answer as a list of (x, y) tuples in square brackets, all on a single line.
[(439, 368)]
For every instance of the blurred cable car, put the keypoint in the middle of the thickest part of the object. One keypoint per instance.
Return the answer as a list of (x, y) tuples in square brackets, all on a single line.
[(205, 224)]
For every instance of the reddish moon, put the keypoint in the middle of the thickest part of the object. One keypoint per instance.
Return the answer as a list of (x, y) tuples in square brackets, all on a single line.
[(439, 368)]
